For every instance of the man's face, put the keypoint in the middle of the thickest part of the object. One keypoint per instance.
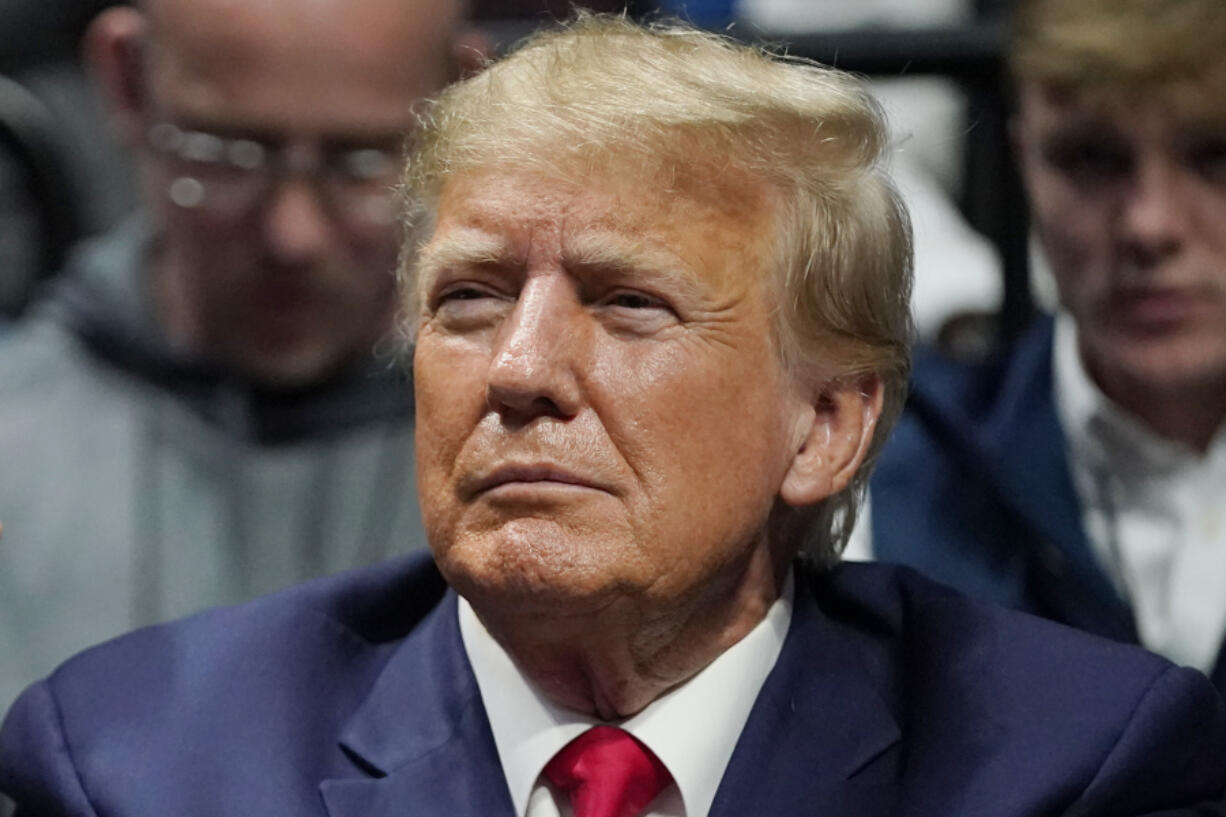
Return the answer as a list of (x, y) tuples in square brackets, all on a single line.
[(294, 284), (602, 412), (1130, 204)]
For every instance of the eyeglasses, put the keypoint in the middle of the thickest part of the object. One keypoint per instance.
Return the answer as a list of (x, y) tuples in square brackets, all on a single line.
[(229, 177)]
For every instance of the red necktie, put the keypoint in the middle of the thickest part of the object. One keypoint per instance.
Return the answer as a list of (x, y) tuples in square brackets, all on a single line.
[(607, 773)]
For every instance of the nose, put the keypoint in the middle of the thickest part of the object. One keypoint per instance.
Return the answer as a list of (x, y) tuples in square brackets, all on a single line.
[(1153, 219), (534, 369), (297, 227)]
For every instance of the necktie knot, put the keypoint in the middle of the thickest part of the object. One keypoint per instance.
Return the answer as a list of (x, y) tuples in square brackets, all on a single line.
[(607, 773)]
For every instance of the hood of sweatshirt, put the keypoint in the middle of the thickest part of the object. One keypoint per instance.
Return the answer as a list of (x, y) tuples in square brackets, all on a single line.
[(102, 298)]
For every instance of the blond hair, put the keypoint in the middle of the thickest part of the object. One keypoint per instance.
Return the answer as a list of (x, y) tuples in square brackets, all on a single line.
[(1123, 47), (603, 91)]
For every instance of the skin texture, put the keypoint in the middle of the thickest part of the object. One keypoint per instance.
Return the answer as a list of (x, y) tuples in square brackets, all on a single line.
[(1129, 198), (285, 294), (605, 426)]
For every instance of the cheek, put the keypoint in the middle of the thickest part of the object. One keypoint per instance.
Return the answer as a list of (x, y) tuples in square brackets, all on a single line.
[(1075, 233), (699, 429), (449, 392), (1208, 215), (376, 249)]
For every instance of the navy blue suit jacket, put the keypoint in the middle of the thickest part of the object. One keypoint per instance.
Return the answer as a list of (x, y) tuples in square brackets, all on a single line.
[(352, 697), (975, 490)]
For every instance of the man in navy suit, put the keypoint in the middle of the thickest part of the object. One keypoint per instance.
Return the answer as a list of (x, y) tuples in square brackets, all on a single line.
[(659, 305)]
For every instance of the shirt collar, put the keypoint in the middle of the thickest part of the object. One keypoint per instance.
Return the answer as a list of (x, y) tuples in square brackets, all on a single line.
[(693, 729), (1100, 433)]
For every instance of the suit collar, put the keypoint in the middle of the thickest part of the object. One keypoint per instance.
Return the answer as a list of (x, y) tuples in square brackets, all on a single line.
[(1218, 674), (820, 736), (692, 728), (820, 732), (423, 735)]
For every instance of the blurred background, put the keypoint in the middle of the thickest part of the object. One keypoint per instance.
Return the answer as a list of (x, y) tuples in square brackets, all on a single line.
[(935, 65)]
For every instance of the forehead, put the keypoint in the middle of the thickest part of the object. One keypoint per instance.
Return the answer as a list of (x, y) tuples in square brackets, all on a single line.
[(297, 64), (1159, 111), (711, 231)]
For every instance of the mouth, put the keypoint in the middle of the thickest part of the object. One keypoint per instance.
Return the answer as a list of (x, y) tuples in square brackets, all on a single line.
[(1157, 308), (536, 477)]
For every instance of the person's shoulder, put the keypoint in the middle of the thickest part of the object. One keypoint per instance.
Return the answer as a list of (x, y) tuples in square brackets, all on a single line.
[(371, 604), (328, 628), (955, 653), (955, 407), (1004, 698), (255, 694), (914, 611), (939, 380), (35, 353)]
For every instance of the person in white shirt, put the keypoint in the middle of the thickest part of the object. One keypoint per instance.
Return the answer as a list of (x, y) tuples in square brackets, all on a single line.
[(1083, 476)]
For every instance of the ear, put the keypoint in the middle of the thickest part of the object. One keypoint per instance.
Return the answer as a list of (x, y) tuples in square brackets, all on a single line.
[(834, 438), (471, 51), (114, 47)]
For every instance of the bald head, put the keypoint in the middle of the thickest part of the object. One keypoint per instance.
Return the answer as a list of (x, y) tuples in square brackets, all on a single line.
[(367, 50)]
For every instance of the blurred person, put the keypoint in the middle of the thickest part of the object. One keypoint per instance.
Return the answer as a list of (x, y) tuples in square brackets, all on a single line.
[(660, 331), (1083, 475), (196, 414)]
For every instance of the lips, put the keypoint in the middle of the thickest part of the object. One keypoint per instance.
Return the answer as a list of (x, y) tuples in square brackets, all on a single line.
[(543, 475), (1156, 308)]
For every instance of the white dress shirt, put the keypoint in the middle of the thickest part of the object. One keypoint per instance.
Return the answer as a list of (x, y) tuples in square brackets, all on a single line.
[(692, 729), (1154, 511)]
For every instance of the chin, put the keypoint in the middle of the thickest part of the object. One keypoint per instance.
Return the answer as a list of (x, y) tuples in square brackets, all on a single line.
[(535, 566), (299, 368)]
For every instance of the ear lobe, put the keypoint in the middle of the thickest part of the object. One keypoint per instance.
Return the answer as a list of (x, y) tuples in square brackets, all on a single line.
[(114, 49), (836, 441)]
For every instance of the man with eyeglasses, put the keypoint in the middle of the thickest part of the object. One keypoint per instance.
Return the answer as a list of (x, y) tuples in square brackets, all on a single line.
[(198, 412)]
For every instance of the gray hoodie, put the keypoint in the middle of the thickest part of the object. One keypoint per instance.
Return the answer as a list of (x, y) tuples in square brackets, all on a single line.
[(137, 486)]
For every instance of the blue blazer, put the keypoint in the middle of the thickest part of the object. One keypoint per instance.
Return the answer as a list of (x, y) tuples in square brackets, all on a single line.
[(352, 697), (975, 490)]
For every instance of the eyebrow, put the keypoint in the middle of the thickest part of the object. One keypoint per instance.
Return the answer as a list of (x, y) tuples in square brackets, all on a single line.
[(611, 252), (469, 247)]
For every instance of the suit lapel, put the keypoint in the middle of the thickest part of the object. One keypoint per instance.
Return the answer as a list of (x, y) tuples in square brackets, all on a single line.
[(423, 735), (820, 738), (1218, 673), (1019, 448), (1027, 440)]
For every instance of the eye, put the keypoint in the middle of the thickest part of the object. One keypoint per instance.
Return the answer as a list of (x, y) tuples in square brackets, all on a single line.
[(635, 300), (1209, 160), (637, 313), (363, 165), (1086, 158), (465, 306), (462, 293)]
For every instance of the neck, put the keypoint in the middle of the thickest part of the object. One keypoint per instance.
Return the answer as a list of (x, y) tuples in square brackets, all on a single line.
[(613, 663), (1188, 413), (172, 302)]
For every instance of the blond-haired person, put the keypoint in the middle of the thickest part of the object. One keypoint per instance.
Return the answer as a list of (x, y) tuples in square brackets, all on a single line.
[(1082, 477), (659, 313)]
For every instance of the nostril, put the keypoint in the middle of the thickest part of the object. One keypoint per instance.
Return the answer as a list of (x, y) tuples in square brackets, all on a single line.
[(518, 410)]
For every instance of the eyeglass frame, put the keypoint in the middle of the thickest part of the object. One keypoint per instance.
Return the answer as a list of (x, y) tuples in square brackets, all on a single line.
[(270, 162)]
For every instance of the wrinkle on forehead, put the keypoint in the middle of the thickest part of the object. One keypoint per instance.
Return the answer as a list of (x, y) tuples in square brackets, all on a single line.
[(606, 226)]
